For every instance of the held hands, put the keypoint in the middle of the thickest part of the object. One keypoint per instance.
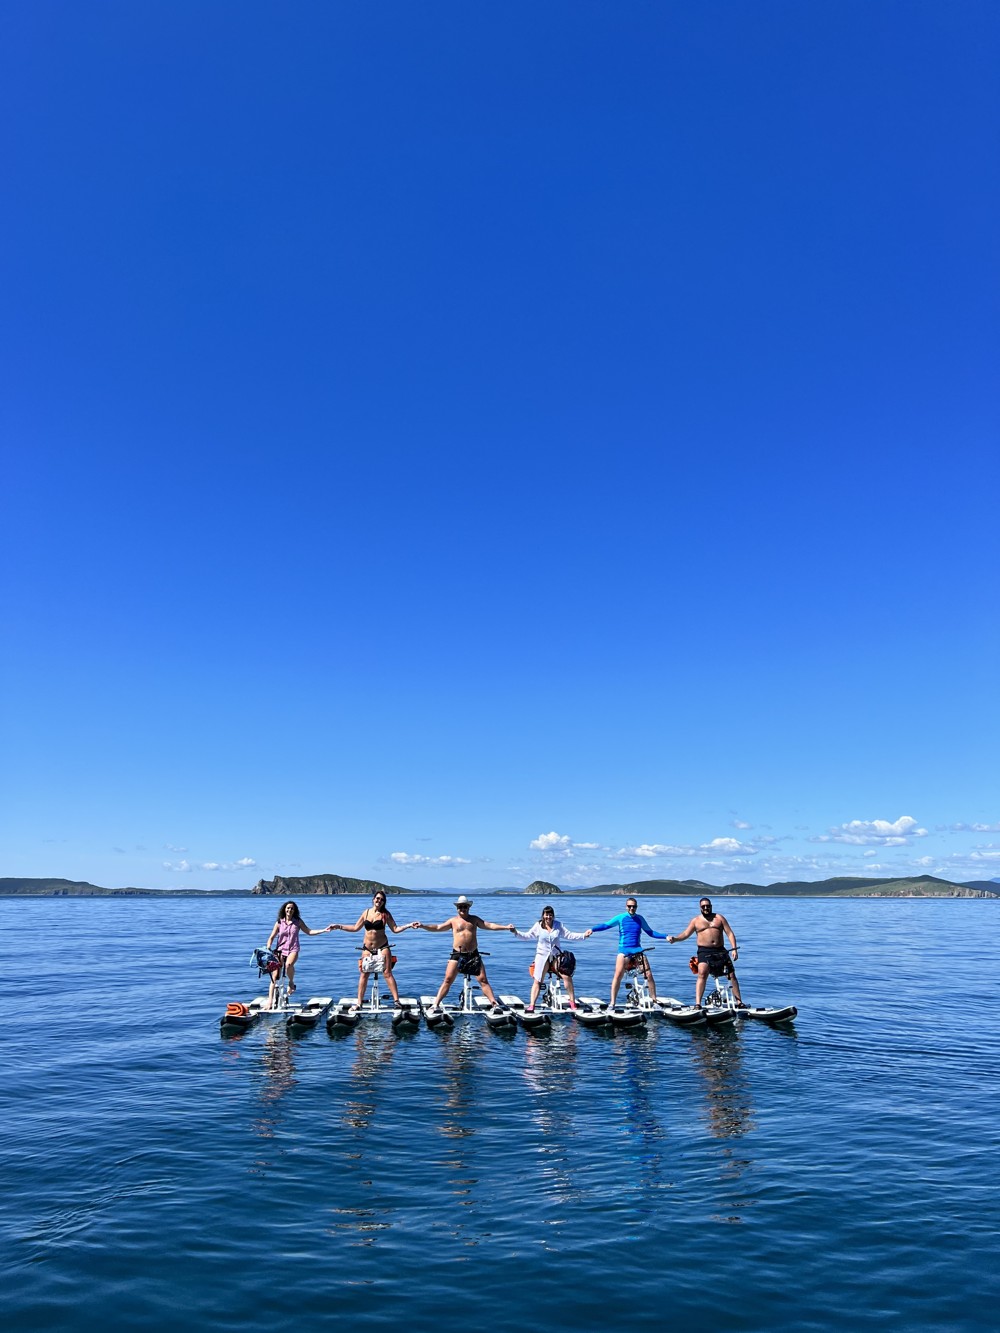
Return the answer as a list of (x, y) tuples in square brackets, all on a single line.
[(587, 934)]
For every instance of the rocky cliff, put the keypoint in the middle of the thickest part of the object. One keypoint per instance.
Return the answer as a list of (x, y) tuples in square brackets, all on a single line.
[(294, 886), (542, 888)]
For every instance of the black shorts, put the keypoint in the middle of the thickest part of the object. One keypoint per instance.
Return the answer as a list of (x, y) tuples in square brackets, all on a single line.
[(718, 960), (469, 964)]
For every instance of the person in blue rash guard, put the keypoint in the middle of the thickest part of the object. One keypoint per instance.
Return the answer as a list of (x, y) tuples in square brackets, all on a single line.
[(630, 953)]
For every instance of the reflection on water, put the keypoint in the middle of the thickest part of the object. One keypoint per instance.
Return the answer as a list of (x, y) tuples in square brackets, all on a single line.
[(549, 1074), (644, 1143), (729, 1112), (462, 1056), (463, 1053), (277, 1064), (373, 1055), (729, 1107)]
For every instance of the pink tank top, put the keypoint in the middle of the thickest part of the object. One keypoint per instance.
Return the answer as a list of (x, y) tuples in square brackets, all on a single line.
[(288, 936)]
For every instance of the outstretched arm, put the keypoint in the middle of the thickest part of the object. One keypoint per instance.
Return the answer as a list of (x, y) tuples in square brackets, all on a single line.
[(565, 934), (493, 925), (654, 934), (607, 925), (303, 927), (675, 939), (391, 923), (530, 934), (419, 925), (358, 925)]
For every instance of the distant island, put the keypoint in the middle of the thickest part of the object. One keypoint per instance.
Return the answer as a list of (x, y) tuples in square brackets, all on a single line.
[(289, 887), (303, 886), (844, 886)]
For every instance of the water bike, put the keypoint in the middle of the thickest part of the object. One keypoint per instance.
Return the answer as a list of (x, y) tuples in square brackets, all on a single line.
[(552, 1002), (501, 1017), (347, 1013), (239, 1017), (722, 1001), (304, 1017)]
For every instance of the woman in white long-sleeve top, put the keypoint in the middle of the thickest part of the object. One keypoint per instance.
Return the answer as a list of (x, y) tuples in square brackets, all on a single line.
[(548, 933)]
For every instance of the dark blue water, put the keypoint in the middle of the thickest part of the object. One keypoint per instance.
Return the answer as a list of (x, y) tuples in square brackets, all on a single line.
[(842, 1172)]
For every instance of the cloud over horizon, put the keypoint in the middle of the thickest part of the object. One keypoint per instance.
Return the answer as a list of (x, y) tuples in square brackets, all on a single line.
[(874, 832)]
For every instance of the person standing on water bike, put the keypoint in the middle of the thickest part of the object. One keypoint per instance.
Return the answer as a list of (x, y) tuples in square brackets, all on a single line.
[(465, 956), (630, 952), (376, 955), (713, 958), (284, 939), (549, 934)]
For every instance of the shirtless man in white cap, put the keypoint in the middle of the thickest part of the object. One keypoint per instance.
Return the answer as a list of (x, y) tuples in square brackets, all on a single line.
[(465, 955)]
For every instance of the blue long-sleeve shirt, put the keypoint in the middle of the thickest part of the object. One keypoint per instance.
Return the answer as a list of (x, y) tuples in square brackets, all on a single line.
[(630, 927)]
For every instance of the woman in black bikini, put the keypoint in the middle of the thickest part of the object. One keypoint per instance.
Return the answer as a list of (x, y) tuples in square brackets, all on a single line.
[(376, 956)]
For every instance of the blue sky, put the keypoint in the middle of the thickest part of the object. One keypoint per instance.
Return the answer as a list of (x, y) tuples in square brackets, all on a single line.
[(457, 443)]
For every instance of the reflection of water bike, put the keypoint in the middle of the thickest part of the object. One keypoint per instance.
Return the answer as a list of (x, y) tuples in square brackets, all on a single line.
[(721, 1002), (347, 1012), (501, 1016)]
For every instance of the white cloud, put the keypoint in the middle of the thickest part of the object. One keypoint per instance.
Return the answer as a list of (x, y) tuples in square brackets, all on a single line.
[(550, 842), (443, 862), (726, 847), (717, 847), (187, 867), (972, 828), (741, 824), (652, 849), (874, 832)]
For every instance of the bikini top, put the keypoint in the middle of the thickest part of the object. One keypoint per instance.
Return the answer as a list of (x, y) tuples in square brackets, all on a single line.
[(374, 925)]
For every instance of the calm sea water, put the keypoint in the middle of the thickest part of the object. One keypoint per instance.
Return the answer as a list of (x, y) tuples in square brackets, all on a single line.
[(841, 1172)]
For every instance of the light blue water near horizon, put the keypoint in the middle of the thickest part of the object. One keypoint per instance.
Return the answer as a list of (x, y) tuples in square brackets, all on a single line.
[(840, 1171)]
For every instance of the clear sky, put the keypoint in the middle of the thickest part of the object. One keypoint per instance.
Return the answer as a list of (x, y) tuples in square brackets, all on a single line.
[(463, 442)]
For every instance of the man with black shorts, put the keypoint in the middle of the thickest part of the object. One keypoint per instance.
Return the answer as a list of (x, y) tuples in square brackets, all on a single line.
[(465, 956), (713, 958)]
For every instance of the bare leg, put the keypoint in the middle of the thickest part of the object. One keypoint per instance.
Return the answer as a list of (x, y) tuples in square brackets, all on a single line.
[(649, 980), (290, 962), (616, 980), (736, 988), (699, 985), (568, 983), (450, 973), (485, 987), (390, 980), (536, 986), (362, 986)]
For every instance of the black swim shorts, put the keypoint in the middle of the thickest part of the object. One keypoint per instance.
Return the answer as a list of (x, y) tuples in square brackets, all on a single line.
[(469, 964), (718, 960)]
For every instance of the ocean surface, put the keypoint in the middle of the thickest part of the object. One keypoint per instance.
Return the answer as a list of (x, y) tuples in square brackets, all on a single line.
[(841, 1172)]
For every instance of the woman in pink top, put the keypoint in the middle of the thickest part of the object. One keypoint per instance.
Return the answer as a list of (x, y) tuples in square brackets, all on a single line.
[(284, 939)]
